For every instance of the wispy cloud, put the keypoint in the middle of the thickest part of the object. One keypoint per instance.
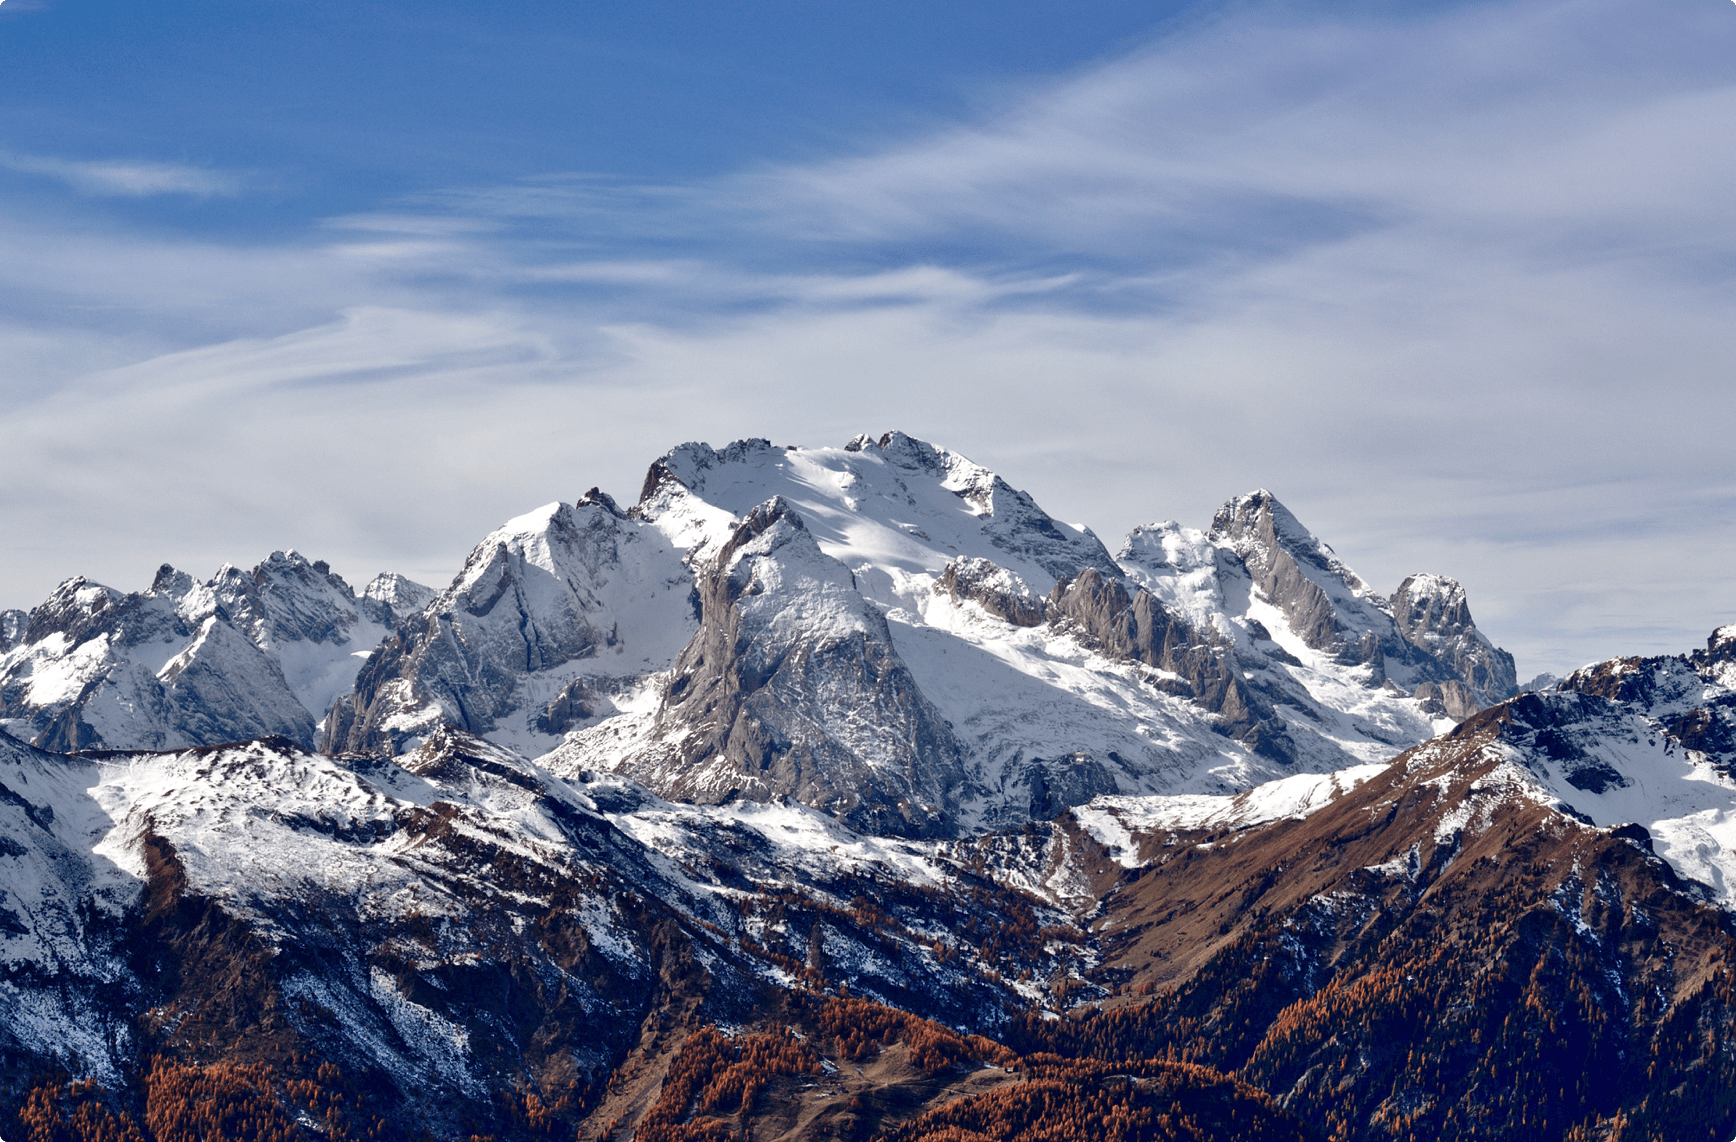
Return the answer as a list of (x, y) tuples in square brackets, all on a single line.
[(1458, 286), (128, 179)]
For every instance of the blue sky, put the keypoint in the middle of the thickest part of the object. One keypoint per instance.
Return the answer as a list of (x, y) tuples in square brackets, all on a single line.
[(1454, 280)]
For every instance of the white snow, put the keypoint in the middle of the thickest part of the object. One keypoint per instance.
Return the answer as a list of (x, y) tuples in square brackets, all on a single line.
[(1113, 821)]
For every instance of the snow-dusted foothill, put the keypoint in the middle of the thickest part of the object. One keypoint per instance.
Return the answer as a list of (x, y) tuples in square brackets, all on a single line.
[(376, 909), (246, 654)]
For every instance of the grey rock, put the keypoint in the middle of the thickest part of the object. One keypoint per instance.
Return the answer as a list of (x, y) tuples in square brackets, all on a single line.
[(1432, 615), (1424, 634), (12, 626), (1058, 784), (1450, 699), (1293, 569), (286, 599), (498, 650), (1134, 625), (823, 710)]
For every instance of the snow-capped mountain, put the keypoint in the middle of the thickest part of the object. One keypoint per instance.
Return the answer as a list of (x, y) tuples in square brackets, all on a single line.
[(462, 924), (657, 822), (246, 654), (887, 630), (949, 649)]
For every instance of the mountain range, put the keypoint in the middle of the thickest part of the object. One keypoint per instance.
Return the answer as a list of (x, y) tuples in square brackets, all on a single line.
[(846, 793)]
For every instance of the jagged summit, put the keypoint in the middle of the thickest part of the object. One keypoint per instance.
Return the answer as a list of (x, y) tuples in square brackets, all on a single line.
[(637, 824), (550, 613), (888, 631), (245, 654)]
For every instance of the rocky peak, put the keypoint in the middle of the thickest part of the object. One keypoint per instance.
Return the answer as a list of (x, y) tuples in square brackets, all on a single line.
[(1720, 648), (286, 598), (916, 455), (171, 583), (13, 624), (539, 602), (75, 609), (596, 496), (1327, 605), (687, 464), (1433, 615), (403, 596), (745, 541), (1258, 527), (1431, 608)]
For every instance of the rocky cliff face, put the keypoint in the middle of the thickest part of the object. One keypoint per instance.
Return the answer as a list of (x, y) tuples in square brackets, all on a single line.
[(1433, 616), (1423, 640), (556, 607), (792, 687), (1136, 626)]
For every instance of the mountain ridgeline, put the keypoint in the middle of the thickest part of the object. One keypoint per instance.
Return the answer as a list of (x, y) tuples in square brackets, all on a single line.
[(844, 793), (769, 622)]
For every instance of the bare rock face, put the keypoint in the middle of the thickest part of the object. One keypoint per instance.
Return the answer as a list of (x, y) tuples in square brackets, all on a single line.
[(1432, 615), (792, 688), (284, 599), (537, 603), (12, 626), (1423, 636), (1449, 699), (1136, 626), (1328, 606), (1720, 653)]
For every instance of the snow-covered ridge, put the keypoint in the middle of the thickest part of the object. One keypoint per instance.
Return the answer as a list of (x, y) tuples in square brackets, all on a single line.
[(1114, 821), (182, 663), (1643, 747), (987, 658), (459, 837)]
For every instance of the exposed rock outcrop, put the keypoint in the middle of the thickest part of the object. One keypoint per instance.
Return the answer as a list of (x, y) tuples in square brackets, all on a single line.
[(792, 687), (1433, 616), (1134, 625), (995, 589), (1327, 605)]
